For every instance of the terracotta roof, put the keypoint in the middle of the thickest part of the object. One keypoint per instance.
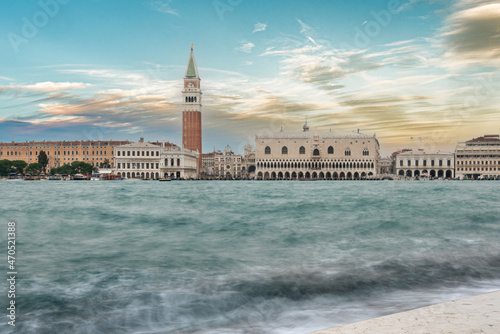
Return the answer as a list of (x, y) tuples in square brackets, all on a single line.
[(485, 138), (68, 143)]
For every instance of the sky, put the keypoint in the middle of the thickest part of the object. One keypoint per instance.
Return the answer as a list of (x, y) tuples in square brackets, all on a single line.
[(109, 69)]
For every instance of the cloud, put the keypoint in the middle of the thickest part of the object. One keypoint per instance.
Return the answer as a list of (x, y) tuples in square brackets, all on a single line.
[(259, 27), (6, 78), (305, 28), (320, 66), (246, 47), (164, 7), (44, 87), (472, 33)]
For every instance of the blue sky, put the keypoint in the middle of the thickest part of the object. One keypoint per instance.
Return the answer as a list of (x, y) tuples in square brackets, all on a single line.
[(106, 69)]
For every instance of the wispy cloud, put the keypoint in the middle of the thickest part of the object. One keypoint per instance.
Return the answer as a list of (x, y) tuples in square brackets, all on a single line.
[(472, 33), (164, 7), (259, 27), (305, 28), (246, 47), (45, 87)]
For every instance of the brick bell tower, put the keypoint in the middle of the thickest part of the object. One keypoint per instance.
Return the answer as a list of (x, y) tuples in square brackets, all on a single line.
[(191, 116)]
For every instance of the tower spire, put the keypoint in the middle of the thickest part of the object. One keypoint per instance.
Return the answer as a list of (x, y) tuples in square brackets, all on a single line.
[(192, 69)]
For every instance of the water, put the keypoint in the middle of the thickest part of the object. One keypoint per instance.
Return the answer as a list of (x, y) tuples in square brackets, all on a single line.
[(243, 257)]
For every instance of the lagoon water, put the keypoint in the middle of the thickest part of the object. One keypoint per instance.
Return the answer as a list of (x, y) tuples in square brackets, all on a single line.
[(243, 257)]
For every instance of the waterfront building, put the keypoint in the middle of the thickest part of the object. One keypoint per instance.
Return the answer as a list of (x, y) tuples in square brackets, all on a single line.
[(207, 164), (96, 153), (227, 164), (191, 115), (179, 163), (248, 166), (139, 160), (386, 166), (316, 155), (409, 163), (142, 160), (478, 158)]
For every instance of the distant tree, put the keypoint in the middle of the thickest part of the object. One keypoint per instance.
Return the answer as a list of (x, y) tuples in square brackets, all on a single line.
[(5, 167), (82, 167), (34, 168), (43, 159), (19, 165), (64, 169)]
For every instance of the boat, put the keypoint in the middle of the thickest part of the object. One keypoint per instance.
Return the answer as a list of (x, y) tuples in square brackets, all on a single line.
[(79, 177), (95, 177), (163, 179), (112, 177)]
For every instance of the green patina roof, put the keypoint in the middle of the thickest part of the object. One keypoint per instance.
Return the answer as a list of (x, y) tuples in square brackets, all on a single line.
[(192, 70)]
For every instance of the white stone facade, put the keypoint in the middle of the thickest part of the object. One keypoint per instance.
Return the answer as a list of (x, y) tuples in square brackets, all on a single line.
[(153, 161), (418, 164), (138, 160), (478, 158), (315, 155), (179, 164)]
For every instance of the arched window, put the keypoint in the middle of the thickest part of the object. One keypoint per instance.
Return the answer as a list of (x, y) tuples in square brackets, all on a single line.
[(330, 150), (302, 150), (316, 152), (186, 99), (366, 151), (348, 151), (195, 99), (284, 150), (267, 150)]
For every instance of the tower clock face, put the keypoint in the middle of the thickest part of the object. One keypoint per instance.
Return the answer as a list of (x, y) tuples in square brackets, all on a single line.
[(190, 85)]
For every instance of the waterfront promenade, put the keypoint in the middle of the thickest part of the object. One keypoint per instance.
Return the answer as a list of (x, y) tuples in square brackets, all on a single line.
[(478, 314)]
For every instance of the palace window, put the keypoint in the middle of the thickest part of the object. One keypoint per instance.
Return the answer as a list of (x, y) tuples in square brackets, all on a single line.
[(316, 152), (302, 150), (267, 150), (347, 152), (330, 150), (366, 151), (284, 150)]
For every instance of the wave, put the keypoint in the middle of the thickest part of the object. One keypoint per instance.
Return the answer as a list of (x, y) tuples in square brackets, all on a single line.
[(389, 275)]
